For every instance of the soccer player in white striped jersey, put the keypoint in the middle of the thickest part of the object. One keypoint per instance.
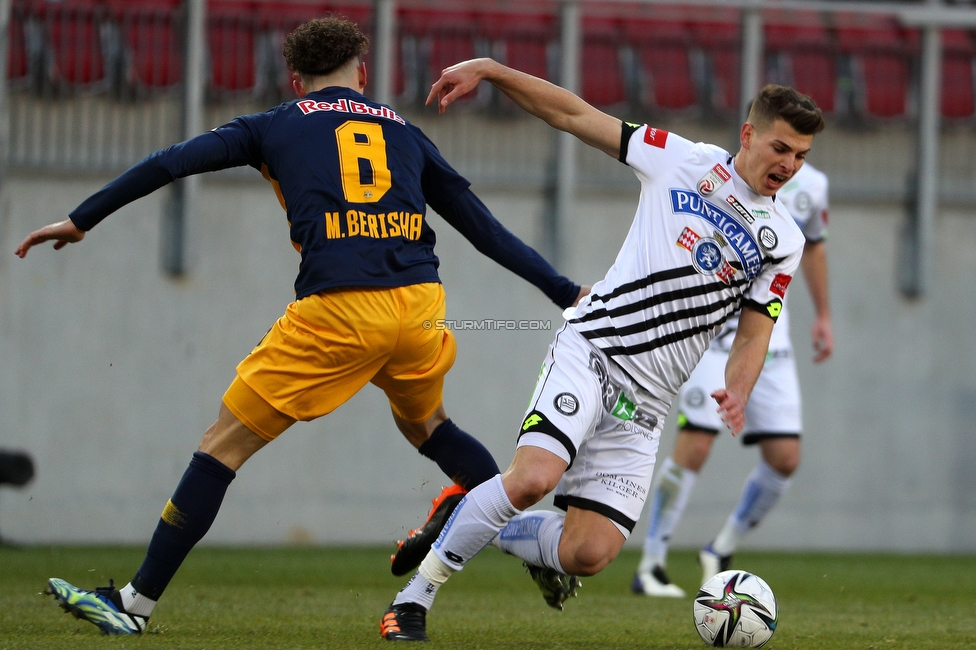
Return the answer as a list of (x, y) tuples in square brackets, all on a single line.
[(772, 416), (708, 239)]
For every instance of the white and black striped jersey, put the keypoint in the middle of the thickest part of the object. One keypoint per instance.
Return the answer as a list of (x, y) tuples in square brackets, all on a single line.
[(702, 245), (806, 198)]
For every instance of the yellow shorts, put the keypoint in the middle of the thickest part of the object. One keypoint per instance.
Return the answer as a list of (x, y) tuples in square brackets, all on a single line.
[(328, 345)]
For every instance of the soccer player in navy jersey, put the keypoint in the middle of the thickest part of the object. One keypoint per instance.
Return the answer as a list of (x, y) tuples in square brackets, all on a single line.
[(354, 179)]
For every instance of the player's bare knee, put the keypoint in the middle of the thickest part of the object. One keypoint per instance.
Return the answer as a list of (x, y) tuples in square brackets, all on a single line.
[(692, 448), (589, 559), (528, 490), (699, 451), (786, 465), (415, 432), (533, 474)]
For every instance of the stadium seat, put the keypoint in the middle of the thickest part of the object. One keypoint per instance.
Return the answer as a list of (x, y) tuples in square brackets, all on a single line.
[(521, 41), (663, 50), (602, 79), (809, 57), (231, 28), (151, 34), (958, 51), (720, 39), (879, 52), (443, 38), (16, 46), (73, 34)]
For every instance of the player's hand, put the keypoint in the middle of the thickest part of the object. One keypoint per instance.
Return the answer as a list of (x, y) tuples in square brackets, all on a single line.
[(584, 291), (457, 81), (63, 233), (732, 408), (822, 335)]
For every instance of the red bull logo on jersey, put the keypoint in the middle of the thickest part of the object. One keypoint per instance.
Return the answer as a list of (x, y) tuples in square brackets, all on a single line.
[(737, 236), (716, 177), (348, 106)]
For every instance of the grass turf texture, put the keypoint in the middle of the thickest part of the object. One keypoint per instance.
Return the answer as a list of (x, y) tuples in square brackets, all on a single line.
[(334, 597)]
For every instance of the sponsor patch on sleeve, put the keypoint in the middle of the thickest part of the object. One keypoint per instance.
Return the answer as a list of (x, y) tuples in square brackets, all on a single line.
[(656, 137), (780, 283)]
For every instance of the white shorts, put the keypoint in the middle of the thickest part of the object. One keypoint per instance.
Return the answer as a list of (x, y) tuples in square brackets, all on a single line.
[(587, 411), (774, 406)]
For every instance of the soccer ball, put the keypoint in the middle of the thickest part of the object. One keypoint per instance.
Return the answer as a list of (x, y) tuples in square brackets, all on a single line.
[(735, 609)]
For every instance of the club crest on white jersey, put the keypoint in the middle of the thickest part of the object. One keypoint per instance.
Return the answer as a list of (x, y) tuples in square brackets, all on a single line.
[(706, 254)]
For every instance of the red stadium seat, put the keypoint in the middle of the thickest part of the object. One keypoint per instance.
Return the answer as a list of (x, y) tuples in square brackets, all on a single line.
[(879, 51), (663, 51), (443, 37), (231, 27), (602, 77), (958, 52), (720, 39), (16, 46), (521, 41), (809, 54), (150, 30), (75, 42)]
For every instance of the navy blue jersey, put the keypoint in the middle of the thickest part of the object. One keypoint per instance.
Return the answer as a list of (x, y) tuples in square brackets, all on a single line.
[(354, 179)]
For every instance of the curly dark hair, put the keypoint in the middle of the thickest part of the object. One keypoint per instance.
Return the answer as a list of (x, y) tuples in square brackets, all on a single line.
[(323, 45), (785, 103)]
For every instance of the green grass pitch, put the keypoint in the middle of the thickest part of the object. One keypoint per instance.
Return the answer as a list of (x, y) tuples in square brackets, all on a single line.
[(333, 598)]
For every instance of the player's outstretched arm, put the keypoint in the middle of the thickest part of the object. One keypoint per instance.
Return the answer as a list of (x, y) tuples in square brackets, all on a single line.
[(62, 233), (557, 106), (814, 262), (471, 218), (746, 359)]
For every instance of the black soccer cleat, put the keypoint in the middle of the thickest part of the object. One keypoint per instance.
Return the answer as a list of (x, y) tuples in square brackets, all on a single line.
[(412, 550), (556, 587), (404, 622)]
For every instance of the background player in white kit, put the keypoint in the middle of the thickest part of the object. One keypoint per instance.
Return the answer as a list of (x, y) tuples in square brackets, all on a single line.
[(700, 247), (773, 419)]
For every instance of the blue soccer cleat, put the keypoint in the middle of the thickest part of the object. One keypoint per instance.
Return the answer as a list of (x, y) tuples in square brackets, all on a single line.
[(102, 607)]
